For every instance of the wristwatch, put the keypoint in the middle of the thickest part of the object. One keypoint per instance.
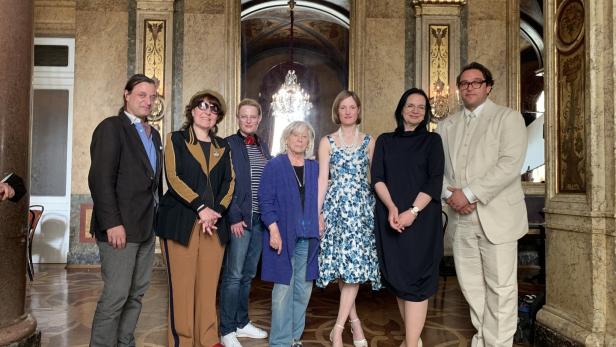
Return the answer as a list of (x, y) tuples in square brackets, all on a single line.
[(415, 210)]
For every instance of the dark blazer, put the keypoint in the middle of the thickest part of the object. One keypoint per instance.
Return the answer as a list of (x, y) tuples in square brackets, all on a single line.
[(124, 186), (241, 204), (17, 184), (279, 201), (193, 182)]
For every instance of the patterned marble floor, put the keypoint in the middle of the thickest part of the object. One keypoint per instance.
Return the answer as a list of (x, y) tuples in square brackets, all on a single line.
[(63, 303)]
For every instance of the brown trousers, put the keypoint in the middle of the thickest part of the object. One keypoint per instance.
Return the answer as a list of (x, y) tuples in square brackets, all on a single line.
[(193, 272)]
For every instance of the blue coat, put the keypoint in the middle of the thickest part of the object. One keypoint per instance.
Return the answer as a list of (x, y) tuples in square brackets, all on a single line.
[(279, 202), (241, 204)]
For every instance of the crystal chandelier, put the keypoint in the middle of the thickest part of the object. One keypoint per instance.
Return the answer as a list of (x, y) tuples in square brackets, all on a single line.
[(291, 102)]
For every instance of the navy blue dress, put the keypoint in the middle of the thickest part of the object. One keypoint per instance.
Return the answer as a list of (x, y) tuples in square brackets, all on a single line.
[(408, 163)]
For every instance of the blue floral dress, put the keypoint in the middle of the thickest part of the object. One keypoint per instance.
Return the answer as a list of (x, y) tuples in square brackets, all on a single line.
[(348, 249)]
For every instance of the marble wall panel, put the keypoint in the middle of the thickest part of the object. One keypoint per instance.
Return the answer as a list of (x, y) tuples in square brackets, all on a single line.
[(384, 72), (487, 42), (204, 56), (100, 75), (54, 17), (205, 6), (570, 273), (385, 9), (611, 287)]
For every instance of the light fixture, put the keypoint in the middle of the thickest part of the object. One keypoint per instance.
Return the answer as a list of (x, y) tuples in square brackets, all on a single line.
[(439, 100), (291, 102)]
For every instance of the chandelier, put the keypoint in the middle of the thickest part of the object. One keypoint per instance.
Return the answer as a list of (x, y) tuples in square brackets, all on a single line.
[(291, 102)]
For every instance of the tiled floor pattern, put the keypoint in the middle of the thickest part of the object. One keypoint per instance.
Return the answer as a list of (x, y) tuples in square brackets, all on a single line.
[(63, 303)]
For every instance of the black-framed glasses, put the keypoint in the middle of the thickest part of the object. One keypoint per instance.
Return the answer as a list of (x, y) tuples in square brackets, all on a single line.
[(472, 84), (204, 106)]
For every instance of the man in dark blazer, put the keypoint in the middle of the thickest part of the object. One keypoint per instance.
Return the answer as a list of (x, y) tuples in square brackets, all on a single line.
[(125, 182), (12, 188)]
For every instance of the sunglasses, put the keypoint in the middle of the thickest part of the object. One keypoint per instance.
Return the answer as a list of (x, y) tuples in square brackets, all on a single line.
[(204, 106)]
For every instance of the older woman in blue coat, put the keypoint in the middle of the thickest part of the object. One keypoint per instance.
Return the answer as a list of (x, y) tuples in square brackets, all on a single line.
[(288, 203)]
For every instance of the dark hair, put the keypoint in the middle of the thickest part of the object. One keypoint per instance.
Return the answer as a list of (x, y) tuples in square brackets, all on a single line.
[(131, 83), (487, 75), (400, 119), (341, 96), (212, 97)]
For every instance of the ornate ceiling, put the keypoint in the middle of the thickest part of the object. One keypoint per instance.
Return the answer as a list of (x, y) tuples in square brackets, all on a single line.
[(316, 30)]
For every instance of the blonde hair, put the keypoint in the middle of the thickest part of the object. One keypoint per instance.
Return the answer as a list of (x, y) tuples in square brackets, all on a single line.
[(294, 128), (248, 102)]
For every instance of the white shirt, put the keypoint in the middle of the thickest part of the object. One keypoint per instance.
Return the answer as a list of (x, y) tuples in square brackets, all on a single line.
[(467, 190)]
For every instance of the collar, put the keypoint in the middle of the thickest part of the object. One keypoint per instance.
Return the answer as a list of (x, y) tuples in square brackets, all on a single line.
[(239, 133), (477, 110), (133, 119)]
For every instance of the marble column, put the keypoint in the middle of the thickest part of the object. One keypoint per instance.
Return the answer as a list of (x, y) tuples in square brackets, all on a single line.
[(16, 326), (580, 307)]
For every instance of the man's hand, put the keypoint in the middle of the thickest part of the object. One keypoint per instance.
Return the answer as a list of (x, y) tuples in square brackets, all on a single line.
[(6, 191), (237, 229), (468, 209), (116, 237), (457, 200)]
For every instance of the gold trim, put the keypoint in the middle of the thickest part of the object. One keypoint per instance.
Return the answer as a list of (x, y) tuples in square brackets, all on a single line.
[(438, 65), (569, 25), (438, 2), (154, 51), (357, 30), (233, 54), (513, 55)]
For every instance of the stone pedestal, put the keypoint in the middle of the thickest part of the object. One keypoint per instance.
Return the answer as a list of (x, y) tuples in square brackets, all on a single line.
[(580, 305), (16, 327)]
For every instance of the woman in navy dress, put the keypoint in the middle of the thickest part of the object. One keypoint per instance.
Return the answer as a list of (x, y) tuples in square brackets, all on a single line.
[(407, 175)]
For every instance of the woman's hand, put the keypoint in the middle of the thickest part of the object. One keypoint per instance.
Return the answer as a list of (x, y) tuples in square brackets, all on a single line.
[(275, 240), (322, 225), (394, 219), (208, 219), (406, 219)]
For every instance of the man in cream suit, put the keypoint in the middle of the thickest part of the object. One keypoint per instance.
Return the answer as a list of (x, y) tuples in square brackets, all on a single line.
[(485, 146)]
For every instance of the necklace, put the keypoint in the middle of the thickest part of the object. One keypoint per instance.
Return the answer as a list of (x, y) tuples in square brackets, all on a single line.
[(343, 145), (300, 184)]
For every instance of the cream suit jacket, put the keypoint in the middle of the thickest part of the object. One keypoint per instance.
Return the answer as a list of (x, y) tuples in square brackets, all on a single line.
[(496, 155)]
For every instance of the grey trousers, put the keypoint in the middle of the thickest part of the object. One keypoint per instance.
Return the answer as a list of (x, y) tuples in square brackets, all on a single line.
[(126, 276)]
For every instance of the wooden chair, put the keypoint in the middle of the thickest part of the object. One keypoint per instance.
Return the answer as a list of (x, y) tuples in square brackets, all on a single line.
[(446, 268), (34, 217)]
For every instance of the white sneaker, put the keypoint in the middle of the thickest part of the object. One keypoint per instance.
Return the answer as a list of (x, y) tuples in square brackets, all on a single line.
[(230, 340), (251, 331)]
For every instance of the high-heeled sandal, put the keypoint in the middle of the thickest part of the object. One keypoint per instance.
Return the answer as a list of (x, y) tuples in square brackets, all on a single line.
[(419, 343), (338, 326), (358, 343)]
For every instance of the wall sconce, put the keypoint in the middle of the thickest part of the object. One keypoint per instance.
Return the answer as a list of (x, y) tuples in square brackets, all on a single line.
[(439, 100)]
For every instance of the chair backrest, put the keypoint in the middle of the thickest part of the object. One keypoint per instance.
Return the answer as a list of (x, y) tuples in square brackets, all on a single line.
[(35, 214)]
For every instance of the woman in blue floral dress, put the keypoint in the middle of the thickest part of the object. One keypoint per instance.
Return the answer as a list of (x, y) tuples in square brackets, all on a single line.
[(348, 251)]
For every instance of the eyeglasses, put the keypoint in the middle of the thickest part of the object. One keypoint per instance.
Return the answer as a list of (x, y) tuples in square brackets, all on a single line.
[(204, 106), (473, 84)]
